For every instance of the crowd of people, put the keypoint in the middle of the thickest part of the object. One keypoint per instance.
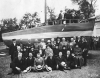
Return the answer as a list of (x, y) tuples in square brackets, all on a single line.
[(53, 54)]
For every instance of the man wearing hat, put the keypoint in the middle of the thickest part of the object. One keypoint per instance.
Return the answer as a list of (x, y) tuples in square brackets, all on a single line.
[(60, 17), (13, 48)]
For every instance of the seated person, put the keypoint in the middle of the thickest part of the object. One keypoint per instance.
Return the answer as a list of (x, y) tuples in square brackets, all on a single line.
[(32, 51), (64, 50), (61, 62), (51, 63), (18, 64), (48, 50), (39, 63), (78, 56), (30, 62), (69, 60), (41, 52), (25, 53), (56, 51)]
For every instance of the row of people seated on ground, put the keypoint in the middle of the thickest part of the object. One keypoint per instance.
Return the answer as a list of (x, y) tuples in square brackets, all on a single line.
[(49, 61)]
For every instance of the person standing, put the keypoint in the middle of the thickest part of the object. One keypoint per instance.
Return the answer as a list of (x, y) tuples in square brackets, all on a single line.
[(13, 49), (60, 17)]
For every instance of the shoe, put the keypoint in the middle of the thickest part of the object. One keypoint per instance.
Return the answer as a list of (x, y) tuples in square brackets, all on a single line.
[(79, 67), (10, 73), (68, 68), (76, 66)]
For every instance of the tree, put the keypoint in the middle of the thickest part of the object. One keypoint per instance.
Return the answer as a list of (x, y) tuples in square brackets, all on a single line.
[(30, 19), (51, 14), (87, 7)]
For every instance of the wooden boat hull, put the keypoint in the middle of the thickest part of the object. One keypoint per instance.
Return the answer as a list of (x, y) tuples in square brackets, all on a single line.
[(52, 31)]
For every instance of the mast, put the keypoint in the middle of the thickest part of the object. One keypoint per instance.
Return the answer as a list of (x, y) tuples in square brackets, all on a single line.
[(45, 11)]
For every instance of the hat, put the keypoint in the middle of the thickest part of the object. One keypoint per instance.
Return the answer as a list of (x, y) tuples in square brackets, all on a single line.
[(49, 69), (52, 39), (63, 38), (36, 40), (13, 39), (63, 63), (42, 39), (48, 41), (39, 67)]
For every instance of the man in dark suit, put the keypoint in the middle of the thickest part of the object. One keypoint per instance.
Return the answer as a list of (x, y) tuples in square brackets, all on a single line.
[(51, 62), (18, 64), (56, 51), (61, 62), (12, 49), (70, 60), (60, 17), (85, 48)]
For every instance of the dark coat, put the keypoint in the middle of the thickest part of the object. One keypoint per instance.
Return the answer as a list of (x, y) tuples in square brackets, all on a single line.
[(60, 16), (18, 63), (64, 51), (59, 60), (30, 62), (12, 50), (51, 62), (71, 50), (70, 60), (56, 51)]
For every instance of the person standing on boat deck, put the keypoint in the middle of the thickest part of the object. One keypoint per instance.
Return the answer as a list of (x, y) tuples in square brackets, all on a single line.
[(60, 17), (13, 48)]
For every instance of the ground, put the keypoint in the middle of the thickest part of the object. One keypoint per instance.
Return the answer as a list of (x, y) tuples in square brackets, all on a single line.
[(92, 70)]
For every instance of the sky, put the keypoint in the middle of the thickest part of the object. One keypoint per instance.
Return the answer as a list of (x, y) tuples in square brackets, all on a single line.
[(17, 8)]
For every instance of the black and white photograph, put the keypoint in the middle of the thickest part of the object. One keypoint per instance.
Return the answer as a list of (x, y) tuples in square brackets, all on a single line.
[(49, 39)]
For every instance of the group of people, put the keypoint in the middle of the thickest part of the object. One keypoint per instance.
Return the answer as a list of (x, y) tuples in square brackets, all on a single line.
[(69, 17), (54, 54)]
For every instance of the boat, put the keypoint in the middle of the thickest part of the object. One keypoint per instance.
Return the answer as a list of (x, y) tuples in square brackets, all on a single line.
[(50, 31)]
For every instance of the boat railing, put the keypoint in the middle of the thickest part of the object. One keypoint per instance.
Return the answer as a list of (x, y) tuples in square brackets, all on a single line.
[(65, 21)]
